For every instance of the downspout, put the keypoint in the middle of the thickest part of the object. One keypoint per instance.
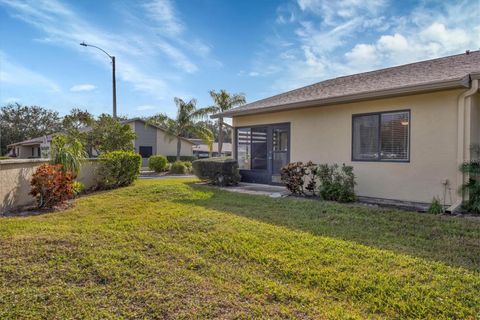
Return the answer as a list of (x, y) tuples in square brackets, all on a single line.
[(463, 153)]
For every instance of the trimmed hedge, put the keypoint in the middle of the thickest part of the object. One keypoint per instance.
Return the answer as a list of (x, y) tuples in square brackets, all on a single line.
[(157, 163), (218, 171), (118, 168), (172, 159)]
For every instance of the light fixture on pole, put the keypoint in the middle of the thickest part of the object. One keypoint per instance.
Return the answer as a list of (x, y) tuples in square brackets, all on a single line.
[(114, 85)]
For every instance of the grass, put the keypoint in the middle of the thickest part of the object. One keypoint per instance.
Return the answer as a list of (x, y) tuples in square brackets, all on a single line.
[(172, 249)]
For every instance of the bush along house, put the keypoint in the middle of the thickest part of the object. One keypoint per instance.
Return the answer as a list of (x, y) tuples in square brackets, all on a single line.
[(405, 130)]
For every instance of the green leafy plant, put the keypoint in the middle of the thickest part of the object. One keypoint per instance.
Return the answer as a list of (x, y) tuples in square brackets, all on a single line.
[(67, 151), (188, 164), (51, 186), (118, 168), (217, 171), (78, 187), (435, 206), (472, 187), (108, 134), (157, 163), (337, 183), (179, 167)]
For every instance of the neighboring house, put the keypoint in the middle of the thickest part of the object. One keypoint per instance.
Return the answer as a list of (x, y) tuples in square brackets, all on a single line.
[(31, 148), (153, 140), (405, 129), (150, 140), (201, 150)]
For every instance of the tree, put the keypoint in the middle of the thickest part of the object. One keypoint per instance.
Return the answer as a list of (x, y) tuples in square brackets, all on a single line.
[(67, 151), (75, 126), (224, 101), (108, 134), (77, 119), (184, 123), (18, 123)]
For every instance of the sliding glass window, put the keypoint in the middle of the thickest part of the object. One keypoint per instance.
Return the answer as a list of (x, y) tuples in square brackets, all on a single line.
[(383, 136)]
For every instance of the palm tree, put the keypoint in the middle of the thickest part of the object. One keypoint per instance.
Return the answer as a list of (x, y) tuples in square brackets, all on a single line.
[(184, 123), (224, 101)]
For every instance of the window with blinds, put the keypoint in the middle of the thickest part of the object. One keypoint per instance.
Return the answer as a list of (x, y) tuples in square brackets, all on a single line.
[(381, 136)]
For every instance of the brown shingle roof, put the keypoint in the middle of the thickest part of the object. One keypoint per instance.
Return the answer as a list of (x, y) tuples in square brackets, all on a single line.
[(443, 73)]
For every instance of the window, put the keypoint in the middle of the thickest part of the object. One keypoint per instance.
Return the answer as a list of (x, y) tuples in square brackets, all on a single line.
[(381, 136), (145, 152), (243, 148)]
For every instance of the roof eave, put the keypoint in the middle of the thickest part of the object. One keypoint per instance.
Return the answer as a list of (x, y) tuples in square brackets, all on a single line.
[(464, 82)]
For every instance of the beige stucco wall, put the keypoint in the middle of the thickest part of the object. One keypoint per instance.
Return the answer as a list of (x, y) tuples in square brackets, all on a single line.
[(15, 176), (168, 147), (324, 135)]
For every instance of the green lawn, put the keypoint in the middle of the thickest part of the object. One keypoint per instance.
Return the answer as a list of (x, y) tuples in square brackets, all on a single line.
[(173, 249)]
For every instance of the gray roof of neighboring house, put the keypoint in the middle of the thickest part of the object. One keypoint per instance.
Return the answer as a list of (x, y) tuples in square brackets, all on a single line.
[(158, 127), (425, 76), (39, 140), (32, 141)]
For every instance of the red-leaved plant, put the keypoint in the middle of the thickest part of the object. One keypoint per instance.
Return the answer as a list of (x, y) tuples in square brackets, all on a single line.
[(51, 186)]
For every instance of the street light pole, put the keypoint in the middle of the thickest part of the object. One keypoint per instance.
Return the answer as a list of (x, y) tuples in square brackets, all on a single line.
[(114, 82), (114, 89)]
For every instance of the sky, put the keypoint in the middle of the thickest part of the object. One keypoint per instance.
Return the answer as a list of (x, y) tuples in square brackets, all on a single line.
[(185, 48)]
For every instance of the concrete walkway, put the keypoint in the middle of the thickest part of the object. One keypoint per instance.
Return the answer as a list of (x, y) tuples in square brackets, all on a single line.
[(259, 189)]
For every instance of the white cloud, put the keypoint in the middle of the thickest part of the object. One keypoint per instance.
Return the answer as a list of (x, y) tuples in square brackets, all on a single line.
[(163, 13), (362, 55), (332, 11), (180, 59), (335, 38), (83, 87)]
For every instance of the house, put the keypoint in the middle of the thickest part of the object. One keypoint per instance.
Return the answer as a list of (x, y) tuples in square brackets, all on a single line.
[(153, 140), (202, 150), (404, 129), (150, 140), (31, 148)]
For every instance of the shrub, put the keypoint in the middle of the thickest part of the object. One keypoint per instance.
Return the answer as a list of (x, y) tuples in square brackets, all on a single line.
[(337, 183), (78, 187), (172, 159), (157, 163), (472, 186), (188, 164), (118, 168), (300, 178), (435, 206), (218, 171), (51, 186), (179, 167)]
